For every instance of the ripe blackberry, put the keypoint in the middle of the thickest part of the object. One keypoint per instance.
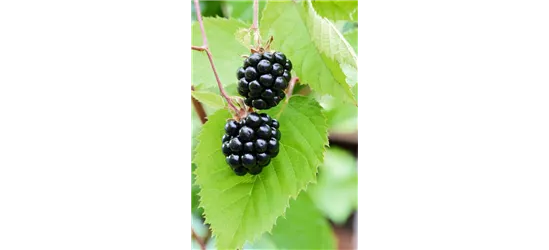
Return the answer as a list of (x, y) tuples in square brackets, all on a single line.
[(249, 145), (263, 78)]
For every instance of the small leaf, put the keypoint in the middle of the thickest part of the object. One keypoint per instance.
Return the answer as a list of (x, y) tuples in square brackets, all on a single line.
[(317, 49), (244, 36), (337, 10), (336, 192), (210, 99), (241, 208)]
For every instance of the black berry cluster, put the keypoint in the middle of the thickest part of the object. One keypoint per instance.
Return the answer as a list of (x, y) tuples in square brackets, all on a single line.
[(250, 144), (263, 79)]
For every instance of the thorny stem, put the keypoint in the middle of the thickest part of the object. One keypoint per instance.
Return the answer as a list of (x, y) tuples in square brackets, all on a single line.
[(199, 108), (205, 47)]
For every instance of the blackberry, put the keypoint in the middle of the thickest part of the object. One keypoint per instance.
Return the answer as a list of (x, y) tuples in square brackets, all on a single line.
[(249, 145), (263, 78)]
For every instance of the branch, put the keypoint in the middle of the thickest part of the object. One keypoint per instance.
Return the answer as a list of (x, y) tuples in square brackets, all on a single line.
[(200, 241), (199, 108), (205, 47), (255, 24)]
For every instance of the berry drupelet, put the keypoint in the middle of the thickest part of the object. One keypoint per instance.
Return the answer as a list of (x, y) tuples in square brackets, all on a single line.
[(263, 78), (250, 144)]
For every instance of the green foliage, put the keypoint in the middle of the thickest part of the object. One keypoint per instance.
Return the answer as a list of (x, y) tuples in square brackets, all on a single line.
[(342, 117), (320, 54), (241, 208), (337, 10), (336, 192), (208, 8), (226, 51), (242, 10), (210, 99), (303, 227), (352, 38), (195, 209)]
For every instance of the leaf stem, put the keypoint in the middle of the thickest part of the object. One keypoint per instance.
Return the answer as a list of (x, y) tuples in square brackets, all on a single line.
[(205, 47), (199, 108)]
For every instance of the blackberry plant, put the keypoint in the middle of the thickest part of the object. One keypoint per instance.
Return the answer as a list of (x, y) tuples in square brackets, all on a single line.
[(256, 154)]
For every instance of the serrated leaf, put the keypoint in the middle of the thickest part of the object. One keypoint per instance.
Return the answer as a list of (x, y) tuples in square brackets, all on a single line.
[(336, 192), (241, 208), (337, 9), (195, 189), (210, 99), (315, 46), (303, 227), (226, 51)]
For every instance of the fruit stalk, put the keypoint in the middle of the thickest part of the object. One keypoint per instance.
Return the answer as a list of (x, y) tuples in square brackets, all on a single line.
[(205, 48), (291, 88)]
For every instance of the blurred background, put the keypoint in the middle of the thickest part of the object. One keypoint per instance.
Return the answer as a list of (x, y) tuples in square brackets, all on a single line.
[(335, 193)]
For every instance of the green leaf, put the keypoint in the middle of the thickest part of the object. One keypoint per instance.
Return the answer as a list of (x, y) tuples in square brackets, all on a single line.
[(342, 117), (242, 10), (336, 192), (195, 210), (244, 36), (304, 227), (337, 10), (210, 99), (318, 51), (241, 208), (352, 38), (354, 16), (226, 51)]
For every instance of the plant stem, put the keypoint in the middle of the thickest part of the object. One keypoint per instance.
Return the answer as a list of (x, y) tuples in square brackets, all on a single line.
[(199, 108), (255, 24), (198, 239), (291, 88), (288, 94), (205, 47), (201, 23)]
